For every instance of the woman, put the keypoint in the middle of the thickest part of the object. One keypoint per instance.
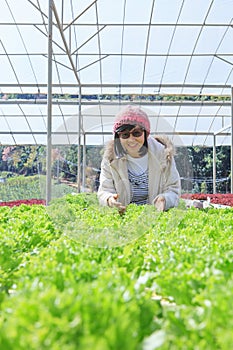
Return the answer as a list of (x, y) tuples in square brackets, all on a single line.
[(137, 168)]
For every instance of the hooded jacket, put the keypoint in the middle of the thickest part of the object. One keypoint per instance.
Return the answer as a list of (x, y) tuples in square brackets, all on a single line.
[(163, 176)]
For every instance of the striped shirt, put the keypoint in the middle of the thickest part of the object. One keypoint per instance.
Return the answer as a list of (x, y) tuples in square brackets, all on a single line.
[(139, 187), (138, 178)]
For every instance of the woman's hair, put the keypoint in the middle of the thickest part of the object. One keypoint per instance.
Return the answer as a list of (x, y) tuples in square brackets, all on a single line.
[(119, 150)]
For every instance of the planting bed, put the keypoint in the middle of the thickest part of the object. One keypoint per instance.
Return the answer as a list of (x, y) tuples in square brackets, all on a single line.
[(169, 287)]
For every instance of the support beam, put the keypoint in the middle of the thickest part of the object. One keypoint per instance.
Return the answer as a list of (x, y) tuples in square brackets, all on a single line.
[(49, 109), (214, 164), (65, 43), (79, 142), (116, 86), (84, 163), (232, 139), (144, 103), (80, 93)]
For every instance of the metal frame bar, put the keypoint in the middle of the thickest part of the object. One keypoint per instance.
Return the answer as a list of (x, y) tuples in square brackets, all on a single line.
[(214, 163), (232, 139), (135, 24), (123, 85), (188, 133), (116, 103), (49, 107)]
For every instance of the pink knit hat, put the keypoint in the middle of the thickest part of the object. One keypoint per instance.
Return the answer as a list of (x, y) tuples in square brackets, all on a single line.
[(134, 116)]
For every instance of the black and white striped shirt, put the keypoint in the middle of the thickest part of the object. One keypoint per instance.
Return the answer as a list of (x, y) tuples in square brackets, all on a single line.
[(138, 178)]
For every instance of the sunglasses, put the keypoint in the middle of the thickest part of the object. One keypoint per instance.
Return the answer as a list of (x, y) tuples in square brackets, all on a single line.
[(126, 134)]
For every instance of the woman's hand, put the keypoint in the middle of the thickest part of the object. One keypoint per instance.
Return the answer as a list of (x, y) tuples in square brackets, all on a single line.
[(160, 203), (113, 203)]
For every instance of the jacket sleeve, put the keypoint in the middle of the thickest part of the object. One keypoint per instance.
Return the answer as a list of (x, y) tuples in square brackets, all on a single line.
[(171, 187), (106, 187)]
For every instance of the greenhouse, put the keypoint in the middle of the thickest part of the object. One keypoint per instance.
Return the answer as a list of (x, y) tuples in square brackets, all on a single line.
[(174, 60), (75, 275)]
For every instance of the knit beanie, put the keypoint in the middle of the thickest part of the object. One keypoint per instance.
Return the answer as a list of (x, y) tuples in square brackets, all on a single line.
[(133, 116)]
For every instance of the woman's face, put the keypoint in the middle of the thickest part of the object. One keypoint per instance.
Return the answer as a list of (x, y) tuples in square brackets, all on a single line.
[(132, 140)]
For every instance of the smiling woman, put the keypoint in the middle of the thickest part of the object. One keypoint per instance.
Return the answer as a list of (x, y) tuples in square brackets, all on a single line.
[(137, 168), (132, 141)]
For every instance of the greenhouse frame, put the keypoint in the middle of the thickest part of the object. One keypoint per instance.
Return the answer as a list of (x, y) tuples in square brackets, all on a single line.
[(69, 66)]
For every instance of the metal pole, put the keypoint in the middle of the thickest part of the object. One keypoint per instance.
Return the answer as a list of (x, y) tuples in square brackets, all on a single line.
[(49, 108), (214, 165), (84, 162), (79, 141), (232, 139)]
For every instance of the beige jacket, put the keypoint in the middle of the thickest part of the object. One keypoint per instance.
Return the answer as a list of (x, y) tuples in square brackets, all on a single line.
[(163, 176)]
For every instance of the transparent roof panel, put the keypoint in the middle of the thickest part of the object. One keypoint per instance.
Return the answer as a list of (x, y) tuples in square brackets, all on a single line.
[(37, 123), (27, 139), (193, 13), (12, 11), (173, 58), (166, 11), (184, 39), (4, 124), (18, 123), (221, 12)]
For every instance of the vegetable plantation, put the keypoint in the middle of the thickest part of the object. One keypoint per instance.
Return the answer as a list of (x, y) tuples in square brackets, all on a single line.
[(28, 188), (78, 276)]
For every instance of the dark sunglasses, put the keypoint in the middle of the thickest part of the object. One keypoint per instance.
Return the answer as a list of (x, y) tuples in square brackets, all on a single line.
[(126, 134)]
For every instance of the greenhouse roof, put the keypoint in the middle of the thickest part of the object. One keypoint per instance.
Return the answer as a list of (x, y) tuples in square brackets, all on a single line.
[(174, 58)]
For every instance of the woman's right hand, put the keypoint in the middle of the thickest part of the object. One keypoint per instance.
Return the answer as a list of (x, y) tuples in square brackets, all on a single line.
[(113, 203), (160, 203)]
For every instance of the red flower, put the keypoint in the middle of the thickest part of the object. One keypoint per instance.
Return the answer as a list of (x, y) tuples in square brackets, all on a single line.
[(23, 201), (217, 198)]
